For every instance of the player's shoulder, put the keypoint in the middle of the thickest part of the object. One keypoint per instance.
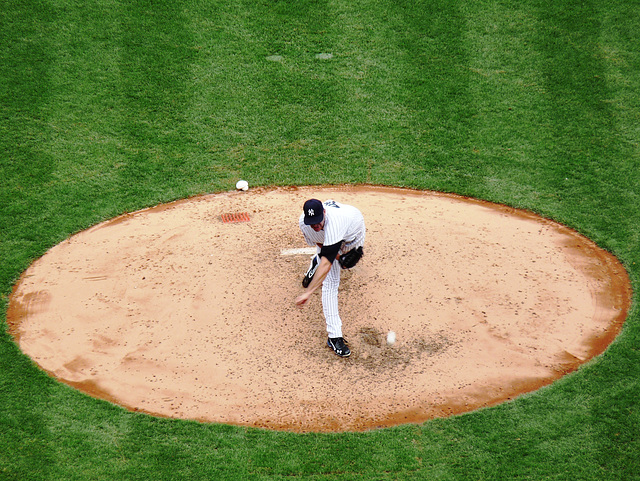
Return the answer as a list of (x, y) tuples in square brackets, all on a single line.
[(304, 227), (334, 204), (342, 210)]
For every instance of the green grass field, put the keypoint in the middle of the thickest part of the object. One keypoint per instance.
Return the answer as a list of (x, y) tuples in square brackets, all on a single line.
[(108, 107)]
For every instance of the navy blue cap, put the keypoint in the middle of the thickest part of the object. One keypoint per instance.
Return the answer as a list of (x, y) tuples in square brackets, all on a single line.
[(313, 212)]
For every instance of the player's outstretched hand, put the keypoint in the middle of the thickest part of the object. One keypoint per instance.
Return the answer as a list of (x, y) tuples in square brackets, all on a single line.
[(302, 299)]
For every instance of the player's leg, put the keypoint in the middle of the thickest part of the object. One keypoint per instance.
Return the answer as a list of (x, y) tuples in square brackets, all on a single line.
[(330, 308), (330, 301)]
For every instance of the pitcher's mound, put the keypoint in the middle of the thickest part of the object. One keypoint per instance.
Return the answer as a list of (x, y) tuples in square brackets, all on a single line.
[(187, 310)]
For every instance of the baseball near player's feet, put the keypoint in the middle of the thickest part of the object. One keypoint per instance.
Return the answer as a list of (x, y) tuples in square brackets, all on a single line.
[(339, 346), (310, 272)]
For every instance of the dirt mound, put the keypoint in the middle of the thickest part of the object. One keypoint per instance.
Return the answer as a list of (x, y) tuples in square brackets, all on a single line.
[(187, 310)]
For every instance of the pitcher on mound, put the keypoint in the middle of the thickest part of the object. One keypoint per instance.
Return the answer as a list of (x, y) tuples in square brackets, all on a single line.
[(338, 232)]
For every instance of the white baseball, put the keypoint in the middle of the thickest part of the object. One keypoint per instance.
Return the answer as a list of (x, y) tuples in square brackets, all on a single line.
[(391, 337), (242, 185)]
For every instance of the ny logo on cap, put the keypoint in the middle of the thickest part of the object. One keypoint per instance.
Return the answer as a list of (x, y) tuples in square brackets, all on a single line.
[(311, 213)]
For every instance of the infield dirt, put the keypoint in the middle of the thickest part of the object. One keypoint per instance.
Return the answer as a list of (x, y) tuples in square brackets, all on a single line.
[(174, 312)]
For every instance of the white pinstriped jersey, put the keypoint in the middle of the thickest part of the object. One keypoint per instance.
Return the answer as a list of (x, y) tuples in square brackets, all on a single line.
[(343, 223)]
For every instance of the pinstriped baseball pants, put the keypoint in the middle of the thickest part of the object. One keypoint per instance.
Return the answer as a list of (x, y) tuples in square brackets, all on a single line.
[(330, 289), (330, 301)]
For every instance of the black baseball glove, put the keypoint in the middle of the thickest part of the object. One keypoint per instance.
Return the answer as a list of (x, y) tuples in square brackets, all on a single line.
[(351, 258)]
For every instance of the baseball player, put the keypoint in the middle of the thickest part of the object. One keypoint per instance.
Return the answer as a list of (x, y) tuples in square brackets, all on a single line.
[(338, 232)]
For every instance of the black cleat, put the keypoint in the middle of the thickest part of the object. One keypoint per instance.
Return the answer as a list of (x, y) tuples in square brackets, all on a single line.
[(339, 346), (310, 272)]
